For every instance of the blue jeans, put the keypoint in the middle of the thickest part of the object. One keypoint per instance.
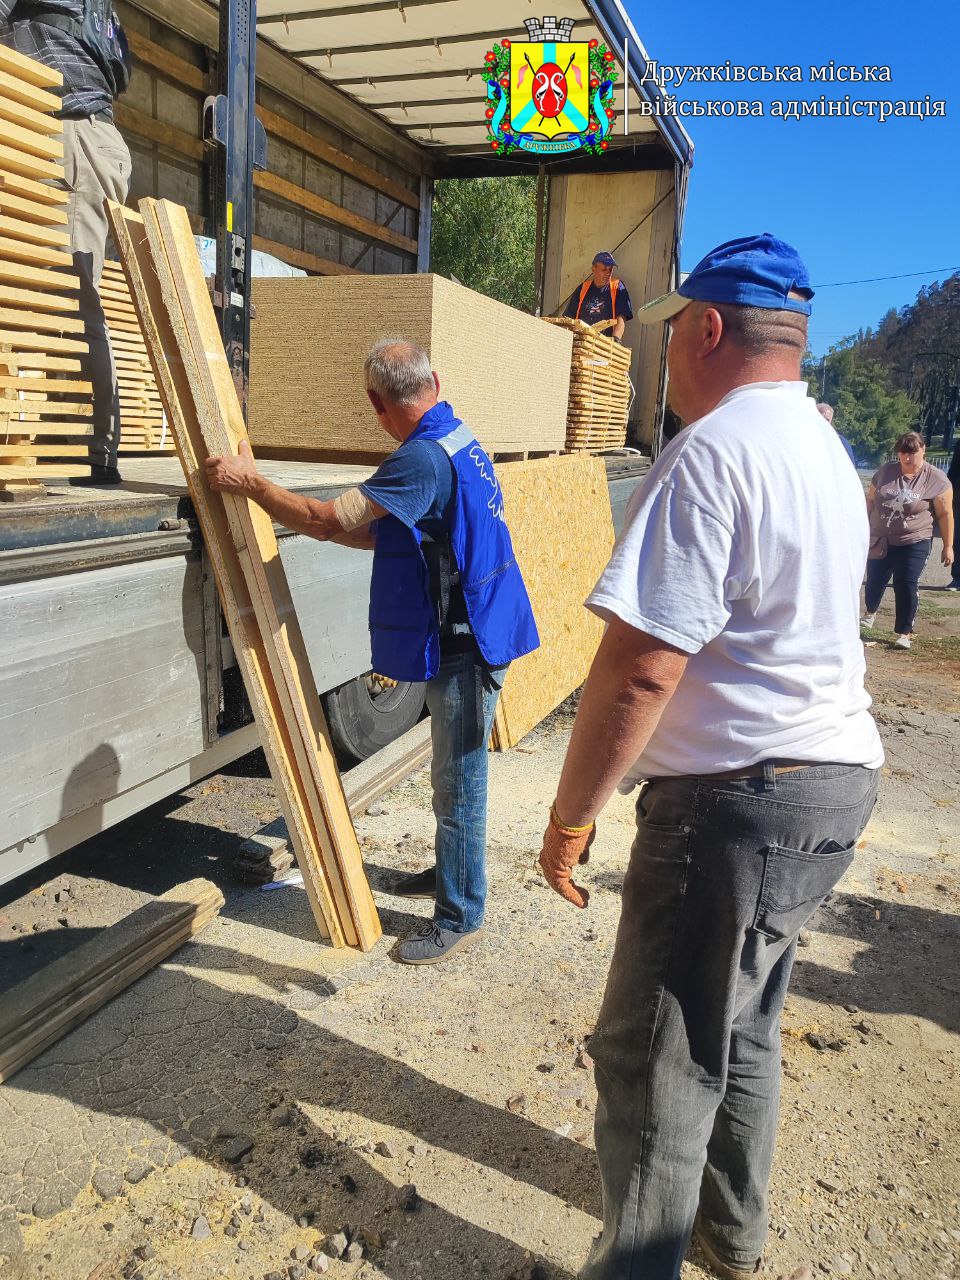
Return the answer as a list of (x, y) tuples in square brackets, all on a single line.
[(461, 699), (904, 565), (723, 875)]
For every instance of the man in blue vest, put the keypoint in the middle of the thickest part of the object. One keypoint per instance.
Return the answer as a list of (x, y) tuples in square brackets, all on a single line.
[(447, 606), (601, 297)]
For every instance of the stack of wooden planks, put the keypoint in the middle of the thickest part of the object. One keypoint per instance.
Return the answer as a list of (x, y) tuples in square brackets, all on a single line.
[(167, 284), (44, 1007), (143, 426), (558, 512), (46, 408), (600, 390), (506, 375)]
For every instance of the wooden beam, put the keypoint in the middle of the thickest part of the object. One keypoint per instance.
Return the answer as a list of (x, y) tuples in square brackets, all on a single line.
[(29, 232), (52, 322), (47, 385), (177, 69), (38, 300), (39, 100), (222, 427), (41, 342), (165, 135), (29, 70), (18, 199), (332, 212), (300, 258), (27, 166), (34, 255), (37, 277), (42, 130), (306, 141)]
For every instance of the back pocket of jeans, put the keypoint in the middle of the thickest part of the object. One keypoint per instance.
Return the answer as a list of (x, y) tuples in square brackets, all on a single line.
[(795, 882)]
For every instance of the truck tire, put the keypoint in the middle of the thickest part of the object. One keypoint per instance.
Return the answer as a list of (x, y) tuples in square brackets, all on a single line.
[(363, 717)]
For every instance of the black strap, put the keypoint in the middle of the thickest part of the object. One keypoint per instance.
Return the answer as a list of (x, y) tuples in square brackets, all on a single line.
[(50, 18), (439, 557)]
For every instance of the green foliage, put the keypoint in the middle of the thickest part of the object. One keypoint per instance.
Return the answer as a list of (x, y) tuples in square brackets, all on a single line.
[(484, 232), (868, 411)]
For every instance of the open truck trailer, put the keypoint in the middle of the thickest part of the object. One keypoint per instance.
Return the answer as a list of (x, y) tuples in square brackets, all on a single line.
[(118, 686)]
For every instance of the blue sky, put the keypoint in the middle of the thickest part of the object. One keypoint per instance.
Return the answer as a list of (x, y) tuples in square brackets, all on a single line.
[(858, 198)]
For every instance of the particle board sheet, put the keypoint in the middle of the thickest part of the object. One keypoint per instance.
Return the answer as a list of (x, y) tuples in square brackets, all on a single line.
[(558, 512), (505, 373), (46, 407), (168, 287), (143, 423)]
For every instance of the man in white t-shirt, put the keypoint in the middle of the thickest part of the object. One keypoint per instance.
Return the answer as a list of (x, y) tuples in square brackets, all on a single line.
[(729, 684)]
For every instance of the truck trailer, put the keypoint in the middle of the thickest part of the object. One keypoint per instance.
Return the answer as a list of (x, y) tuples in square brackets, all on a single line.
[(317, 141)]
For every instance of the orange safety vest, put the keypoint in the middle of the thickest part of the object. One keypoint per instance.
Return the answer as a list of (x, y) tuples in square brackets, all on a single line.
[(585, 289)]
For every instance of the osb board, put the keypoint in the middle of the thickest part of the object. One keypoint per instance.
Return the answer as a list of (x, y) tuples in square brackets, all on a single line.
[(558, 511), (506, 374)]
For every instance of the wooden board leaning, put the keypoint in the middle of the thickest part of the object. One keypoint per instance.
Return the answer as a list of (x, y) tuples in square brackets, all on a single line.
[(168, 289)]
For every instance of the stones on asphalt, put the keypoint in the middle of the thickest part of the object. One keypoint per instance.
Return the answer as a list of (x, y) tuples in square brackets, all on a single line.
[(145, 1252), (384, 1149), (517, 1103), (236, 1147), (297, 1272), (875, 1236), (804, 938), (137, 1171), (280, 1117), (312, 1155), (828, 1186), (407, 1198), (319, 1263), (300, 1253), (201, 1228), (246, 1202), (372, 1237), (823, 1044), (107, 1184), (354, 1251)]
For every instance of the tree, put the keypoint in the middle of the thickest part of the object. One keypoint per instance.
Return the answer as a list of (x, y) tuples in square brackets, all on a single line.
[(869, 412), (484, 232)]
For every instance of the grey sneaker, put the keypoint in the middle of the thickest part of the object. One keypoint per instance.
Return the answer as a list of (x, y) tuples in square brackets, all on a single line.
[(433, 943), (419, 884)]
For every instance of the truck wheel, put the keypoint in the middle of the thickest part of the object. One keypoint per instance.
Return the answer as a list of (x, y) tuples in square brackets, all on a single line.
[(365, 715)]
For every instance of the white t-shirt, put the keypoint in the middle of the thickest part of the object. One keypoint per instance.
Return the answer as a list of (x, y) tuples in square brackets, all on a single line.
[(745, 546)]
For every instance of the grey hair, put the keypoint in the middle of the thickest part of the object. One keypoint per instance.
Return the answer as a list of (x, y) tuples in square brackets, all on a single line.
[(398, 370), (825, 410)]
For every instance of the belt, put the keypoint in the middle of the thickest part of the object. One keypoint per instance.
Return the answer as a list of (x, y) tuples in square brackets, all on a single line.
[(105, 114), (751, 771)]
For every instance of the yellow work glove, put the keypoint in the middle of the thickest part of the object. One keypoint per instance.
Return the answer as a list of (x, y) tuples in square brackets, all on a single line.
[(564, 848)]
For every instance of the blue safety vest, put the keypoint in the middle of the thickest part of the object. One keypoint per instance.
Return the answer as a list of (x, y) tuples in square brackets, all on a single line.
[(404, 617)]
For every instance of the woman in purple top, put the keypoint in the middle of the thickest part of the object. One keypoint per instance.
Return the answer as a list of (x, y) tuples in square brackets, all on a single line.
[(903, 500)]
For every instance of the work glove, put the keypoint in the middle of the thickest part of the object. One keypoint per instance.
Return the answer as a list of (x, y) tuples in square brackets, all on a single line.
[(563, 849)]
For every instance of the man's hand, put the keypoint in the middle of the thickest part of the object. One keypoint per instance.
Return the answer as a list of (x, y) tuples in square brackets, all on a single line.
[(234, 475), (563, 849), (946, 555)]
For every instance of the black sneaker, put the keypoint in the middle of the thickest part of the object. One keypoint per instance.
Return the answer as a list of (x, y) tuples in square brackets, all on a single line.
[(433, 943), (99, 476), (420, 884)]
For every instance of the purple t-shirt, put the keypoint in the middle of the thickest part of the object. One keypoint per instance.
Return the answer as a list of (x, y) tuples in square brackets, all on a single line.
[(903, 505)]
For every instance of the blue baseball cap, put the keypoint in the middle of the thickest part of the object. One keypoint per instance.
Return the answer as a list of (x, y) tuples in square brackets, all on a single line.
[(755, 271), (605, 259)]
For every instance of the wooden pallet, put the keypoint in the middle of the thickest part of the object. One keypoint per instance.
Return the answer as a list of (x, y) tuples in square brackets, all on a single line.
[(600, 390), (43, 401), (143, 423), (169, 291)]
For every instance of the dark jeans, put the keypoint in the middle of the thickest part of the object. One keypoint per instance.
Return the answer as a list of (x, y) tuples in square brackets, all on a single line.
[(955, 570), (904, 565), (461, 699), (723, 875)]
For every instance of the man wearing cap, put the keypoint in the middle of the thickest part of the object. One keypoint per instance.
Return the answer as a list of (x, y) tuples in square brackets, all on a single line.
[(601, 297), (729, 686)]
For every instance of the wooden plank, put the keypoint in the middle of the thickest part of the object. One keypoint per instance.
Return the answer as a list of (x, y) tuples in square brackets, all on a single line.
[(37, 277), (55, 322), (168, 231), (561, 549), (27, 167), (304, 199), (171, 371), (300, 258), (34, 255), (18, 197), (314, 146), (40, 341), (10, 297), (16, 89), (29, 70), (42, 471), (153, 55), (27, 138), (34, 450), (40, 362), (31, 232), (166, 135), (25, 410), (47, 385), (35, 429)]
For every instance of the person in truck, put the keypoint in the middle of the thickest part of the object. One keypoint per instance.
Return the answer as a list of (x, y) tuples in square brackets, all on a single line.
[(447, 606), (602, 297), (83, 40)]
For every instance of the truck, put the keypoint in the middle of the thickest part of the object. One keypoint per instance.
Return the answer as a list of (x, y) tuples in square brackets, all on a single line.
[(314, 133)]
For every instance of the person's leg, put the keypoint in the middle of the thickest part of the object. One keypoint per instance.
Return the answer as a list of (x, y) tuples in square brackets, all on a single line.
[(722, 878), (98, 169), (878, 576), (908, 566), (461, 699), (955, 572)]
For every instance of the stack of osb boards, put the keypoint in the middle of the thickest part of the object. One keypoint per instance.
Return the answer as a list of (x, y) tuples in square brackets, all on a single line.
[(167, 285), (505, 373), (46, 409), (143, 426), (558, 512), (600, 390)]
